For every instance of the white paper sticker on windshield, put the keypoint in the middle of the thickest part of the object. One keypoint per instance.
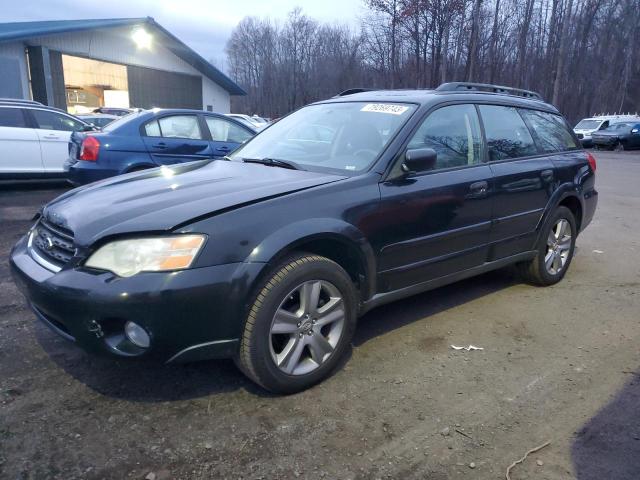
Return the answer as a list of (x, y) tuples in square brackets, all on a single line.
[(384, 108)]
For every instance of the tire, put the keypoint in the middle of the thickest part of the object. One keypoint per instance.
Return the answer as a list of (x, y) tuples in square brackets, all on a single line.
[(317, 331), (537, 270), (619, 147)]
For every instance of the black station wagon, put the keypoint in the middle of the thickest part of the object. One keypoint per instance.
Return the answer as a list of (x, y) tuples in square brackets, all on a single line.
[(270, 255)]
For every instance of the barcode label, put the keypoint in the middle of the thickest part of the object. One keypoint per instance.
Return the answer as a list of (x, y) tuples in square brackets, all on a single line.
[(384, 108)]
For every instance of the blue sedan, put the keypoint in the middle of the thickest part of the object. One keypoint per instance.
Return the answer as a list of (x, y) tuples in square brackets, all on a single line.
[(152, 138)]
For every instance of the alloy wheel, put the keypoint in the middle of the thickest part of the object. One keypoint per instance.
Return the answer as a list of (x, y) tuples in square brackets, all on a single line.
[(307, 327), (558, 247)]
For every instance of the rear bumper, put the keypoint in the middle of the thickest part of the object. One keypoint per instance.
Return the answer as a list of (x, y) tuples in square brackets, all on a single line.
[(589, 207), (189, 315), (79, 172)]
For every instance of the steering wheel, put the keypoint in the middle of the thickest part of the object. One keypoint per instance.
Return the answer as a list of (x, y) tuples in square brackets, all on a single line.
[(370, 154)]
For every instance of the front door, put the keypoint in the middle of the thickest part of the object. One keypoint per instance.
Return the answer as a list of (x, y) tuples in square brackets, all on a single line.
[(437, 222), (176, 139), (54, 131)]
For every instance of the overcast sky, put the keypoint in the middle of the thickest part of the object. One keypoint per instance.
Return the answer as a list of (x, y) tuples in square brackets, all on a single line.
[(204, 25)]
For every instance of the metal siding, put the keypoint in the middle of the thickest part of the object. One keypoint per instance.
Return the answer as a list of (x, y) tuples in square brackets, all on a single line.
[(39, 68), (57, 80), (150, 88), (10, 82)]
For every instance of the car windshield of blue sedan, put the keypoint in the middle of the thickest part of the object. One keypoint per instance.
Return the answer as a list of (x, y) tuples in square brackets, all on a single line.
[(345, 137)]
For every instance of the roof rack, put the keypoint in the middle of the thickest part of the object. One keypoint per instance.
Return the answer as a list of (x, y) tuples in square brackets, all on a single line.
[(486, 87), (351, 91), (20, 101)]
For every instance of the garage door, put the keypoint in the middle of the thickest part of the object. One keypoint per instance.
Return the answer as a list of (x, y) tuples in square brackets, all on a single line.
[(150, 88)]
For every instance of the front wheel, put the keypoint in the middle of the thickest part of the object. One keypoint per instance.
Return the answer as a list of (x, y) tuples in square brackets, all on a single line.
[(300, 324), (555, 250)]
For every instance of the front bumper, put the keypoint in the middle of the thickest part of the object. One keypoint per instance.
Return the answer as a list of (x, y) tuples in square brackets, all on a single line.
[(605, 141), (190, 315)]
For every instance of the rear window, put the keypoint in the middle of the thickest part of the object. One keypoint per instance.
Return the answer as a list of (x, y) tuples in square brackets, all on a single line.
[(552, 134), (12, 117), (506, 133), (121, 121)]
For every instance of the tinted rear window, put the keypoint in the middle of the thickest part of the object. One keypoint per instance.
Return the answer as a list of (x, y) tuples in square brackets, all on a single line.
[(12, 117), (506, 133), (550, 130)]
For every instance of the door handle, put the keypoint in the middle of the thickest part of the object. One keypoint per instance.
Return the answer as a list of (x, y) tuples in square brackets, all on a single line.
[(479, 187), (223, 148), (52, 136), (547, 175), (160, 145)]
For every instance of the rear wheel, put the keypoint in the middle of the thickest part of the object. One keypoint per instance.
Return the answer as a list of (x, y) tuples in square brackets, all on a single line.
[(555, 250), (300, 324), (619, 147)]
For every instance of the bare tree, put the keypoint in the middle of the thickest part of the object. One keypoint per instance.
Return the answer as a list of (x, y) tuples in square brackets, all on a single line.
[(552, 46)]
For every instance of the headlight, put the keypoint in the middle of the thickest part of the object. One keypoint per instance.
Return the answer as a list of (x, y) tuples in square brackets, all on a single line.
[(155, 254)]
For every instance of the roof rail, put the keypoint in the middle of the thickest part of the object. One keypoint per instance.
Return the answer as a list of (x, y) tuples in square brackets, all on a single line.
[(486, 87), (21, 101), (351, 91)]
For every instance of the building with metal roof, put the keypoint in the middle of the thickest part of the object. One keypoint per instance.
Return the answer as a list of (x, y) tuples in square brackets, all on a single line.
[(80, 65)]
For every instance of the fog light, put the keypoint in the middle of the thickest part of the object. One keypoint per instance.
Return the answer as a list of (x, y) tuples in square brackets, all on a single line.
[(137, 335)]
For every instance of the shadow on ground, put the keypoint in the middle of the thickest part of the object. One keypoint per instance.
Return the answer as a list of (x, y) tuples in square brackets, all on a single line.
[(608, 445), (145, 382)]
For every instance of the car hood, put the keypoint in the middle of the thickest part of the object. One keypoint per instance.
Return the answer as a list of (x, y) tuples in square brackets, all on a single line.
[(163, 198)]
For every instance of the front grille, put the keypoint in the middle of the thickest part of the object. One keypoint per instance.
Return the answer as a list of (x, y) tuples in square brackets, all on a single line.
[(580, 136), (53, 243)]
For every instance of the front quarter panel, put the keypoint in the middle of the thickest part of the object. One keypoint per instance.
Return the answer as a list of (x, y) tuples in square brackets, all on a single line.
[(265, 230)]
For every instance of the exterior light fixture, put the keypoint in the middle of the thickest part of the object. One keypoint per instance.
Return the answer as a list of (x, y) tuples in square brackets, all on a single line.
[(141, 38)]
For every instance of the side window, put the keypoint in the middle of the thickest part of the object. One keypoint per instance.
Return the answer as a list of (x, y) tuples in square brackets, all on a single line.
[(507, 135), (152, 129), (454, 133), (47, 120), (604, 125), (12, 117), (179, 126), (550, 131), (225, 131)]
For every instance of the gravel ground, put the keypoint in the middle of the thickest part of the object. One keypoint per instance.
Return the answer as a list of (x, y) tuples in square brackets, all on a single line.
[(558, 365)]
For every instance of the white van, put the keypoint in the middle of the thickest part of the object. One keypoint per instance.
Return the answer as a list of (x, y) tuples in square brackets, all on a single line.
[(585, 127)]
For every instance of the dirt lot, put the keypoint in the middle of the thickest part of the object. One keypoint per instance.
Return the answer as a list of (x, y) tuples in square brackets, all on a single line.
[(558, 364)]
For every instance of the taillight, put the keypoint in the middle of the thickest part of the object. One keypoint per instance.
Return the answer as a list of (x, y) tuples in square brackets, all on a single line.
[(89, 149), (592, 161)]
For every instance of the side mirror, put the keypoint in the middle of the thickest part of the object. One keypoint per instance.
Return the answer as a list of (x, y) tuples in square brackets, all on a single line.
[(419, 160)]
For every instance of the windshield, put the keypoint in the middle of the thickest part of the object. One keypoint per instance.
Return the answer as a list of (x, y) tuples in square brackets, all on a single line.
[(588, 124), (330, 136)]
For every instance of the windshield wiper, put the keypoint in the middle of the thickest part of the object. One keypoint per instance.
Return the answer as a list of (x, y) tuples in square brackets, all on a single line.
[(274, 162)]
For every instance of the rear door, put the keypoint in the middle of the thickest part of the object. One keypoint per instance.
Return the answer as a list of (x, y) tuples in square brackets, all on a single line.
[(176, 138), (226, 135), (524, 178), (54, 130), (19, 144), (437, 222)]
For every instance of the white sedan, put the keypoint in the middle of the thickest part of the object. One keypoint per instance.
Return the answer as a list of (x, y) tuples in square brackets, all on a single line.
[(34, 139)]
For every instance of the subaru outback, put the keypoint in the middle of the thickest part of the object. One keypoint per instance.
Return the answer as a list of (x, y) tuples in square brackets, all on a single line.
[(270, 255)]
